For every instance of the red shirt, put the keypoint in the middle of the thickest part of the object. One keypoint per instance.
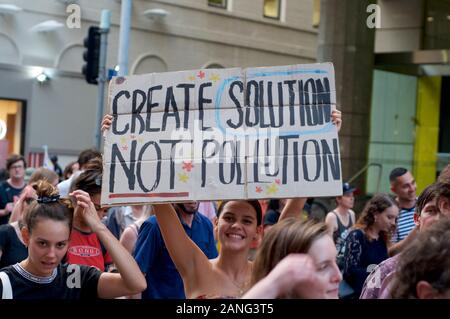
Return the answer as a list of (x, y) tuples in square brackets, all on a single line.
[(85, 249)]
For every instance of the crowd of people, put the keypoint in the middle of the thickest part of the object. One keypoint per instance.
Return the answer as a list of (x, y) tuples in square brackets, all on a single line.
[(58, 242)]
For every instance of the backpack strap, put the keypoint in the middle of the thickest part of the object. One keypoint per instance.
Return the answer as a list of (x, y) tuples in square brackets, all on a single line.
[(6, 286)]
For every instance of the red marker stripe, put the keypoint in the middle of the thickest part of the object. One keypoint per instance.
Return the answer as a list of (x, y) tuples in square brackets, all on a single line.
[(128, 195)]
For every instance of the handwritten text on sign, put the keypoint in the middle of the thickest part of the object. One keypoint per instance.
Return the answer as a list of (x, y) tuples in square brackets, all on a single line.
[(222, 134)]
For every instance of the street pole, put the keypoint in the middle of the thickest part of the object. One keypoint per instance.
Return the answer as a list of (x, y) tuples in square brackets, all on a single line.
[(124, 38), (104, 29)]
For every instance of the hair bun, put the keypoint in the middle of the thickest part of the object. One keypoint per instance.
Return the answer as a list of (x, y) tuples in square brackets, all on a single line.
[(45, 190)]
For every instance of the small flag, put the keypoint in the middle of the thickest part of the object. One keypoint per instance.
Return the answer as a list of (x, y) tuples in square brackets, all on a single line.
[(47, 162), (35, 159)]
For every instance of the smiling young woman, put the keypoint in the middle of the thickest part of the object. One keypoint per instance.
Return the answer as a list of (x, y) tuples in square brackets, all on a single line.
[(228, 275), (296, 259), (48, 224)]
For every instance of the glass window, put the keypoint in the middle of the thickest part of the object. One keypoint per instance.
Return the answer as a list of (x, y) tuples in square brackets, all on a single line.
[(12, 128), (437, 25), (272, 9), (218, 3)]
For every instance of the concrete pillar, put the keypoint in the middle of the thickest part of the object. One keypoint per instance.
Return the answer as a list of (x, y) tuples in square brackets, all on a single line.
[(345, 40)]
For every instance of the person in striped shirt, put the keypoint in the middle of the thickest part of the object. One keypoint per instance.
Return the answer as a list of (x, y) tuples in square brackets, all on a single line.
[(403, 185)]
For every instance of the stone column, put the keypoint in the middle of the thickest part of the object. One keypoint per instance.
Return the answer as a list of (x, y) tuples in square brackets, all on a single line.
[(347, 41)]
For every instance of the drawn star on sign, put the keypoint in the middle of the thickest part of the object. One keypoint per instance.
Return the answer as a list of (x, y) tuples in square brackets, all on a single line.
[(214, 77), (125, 147), (272, 189), (259, 189), (201, 74), (183, 177), (123, 140), (191, 78), (187, 166)]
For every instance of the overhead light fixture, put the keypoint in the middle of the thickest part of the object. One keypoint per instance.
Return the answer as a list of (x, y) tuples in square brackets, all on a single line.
[(156, 13), (9, 9), (47, 26), (42, 78)]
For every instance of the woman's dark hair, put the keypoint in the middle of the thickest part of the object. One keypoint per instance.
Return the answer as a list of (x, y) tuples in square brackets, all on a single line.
[(254, 203), (90, 180), (87, 155), (47, 206), (68, 170), (375, 206), (426, 259)]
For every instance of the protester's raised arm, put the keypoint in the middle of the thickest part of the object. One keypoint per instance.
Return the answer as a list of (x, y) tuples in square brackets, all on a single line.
[(186, 255), (16, 214), (293, 208), (130, 279), (106, 122)]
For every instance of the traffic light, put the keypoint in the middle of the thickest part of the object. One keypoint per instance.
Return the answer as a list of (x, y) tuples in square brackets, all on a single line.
[(91, 55)]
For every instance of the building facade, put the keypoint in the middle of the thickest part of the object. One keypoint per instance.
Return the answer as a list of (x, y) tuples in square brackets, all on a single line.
[(394, 103), (61, 112)]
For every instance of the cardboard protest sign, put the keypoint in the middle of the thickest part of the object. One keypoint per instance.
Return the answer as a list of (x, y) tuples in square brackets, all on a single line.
[(222, 134)]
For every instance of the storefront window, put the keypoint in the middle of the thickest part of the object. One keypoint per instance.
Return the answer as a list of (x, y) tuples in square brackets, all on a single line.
[(12, 116)]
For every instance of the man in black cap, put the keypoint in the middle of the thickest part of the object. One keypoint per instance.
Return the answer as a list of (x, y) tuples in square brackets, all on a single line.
[(342, 218)]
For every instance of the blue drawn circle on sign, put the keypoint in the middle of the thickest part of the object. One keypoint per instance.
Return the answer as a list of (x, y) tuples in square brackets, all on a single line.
[(325, 129)]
